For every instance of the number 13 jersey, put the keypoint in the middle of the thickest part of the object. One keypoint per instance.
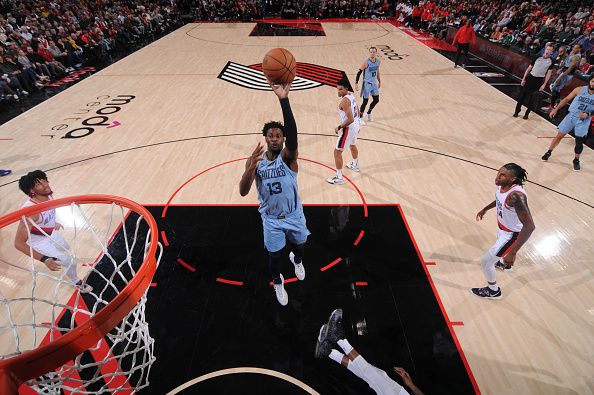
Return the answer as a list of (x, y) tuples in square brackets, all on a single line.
[(277, 187)]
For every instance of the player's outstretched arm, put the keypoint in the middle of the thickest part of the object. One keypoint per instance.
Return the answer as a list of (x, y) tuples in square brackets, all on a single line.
[(407, 380), (247, 179), (290, 152), (20, 243)]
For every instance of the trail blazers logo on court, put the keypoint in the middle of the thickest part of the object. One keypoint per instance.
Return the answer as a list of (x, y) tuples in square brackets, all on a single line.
[(308, 76)]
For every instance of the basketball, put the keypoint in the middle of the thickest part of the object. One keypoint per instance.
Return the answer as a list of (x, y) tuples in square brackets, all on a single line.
[(279, 66)]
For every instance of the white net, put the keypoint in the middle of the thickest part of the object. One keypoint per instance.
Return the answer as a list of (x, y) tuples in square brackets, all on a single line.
[(99, 248)]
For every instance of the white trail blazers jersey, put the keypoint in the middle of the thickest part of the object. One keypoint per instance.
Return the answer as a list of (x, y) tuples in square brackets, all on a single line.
[(507, 218)]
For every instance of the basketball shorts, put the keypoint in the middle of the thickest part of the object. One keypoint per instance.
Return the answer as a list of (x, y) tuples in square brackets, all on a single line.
[(573, 122), (292, 227), (56, 247), (347, 137), (369, 88), (503, 243)]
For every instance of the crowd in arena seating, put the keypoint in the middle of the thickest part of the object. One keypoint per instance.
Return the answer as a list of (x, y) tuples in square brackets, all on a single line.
[(522, 25), (41, 41), (248, 10)]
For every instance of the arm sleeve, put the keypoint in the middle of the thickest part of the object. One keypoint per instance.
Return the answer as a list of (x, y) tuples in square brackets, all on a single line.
[(358, 75), (290, 126)]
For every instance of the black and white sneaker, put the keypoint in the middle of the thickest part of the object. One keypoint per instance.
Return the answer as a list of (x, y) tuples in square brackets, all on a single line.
[(546, 156), (281, 294), (486, 293), (335, 329), (323, 346), (503, 267), (335, 180), (299, 268), (576, 165)]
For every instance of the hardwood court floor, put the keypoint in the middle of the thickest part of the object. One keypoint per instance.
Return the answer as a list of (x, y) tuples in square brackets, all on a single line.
[(439, 136)]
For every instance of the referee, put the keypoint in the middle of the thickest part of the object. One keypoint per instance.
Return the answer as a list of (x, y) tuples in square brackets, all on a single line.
[(535, 79)]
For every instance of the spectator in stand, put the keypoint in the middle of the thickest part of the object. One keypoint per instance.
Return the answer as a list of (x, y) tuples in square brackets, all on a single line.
[(462, 40), (570, 65), (586, 42)]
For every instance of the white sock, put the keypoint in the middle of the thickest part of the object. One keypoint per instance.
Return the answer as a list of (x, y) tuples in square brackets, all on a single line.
[(339, 173), (356, 162), (492, 287), (345, 345), (336, 356)]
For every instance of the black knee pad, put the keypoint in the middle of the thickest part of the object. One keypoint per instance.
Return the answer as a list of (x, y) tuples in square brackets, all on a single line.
[(579, 144), (298, 249), (375, 99)]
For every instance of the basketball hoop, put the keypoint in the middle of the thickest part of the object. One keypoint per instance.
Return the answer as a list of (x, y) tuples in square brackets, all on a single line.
[(83, 343)]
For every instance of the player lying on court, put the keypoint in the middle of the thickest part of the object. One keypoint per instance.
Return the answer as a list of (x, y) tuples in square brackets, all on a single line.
[(275, 172), (332, 336)]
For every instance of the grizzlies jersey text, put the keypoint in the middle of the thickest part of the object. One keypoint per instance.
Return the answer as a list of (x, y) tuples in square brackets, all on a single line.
[(583, 102), (277, 187)]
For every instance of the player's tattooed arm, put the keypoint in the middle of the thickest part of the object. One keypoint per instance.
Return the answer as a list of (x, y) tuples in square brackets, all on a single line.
[(520, 203)]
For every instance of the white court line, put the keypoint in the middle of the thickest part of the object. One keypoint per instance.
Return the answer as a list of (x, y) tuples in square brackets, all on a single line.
[(244, 370)]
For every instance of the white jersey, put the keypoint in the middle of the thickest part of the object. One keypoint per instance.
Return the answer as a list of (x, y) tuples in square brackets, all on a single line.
[(507, 218), (46, 220), (355, 110)]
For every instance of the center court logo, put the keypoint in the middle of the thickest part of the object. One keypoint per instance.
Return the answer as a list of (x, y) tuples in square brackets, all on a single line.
[(308, 76)]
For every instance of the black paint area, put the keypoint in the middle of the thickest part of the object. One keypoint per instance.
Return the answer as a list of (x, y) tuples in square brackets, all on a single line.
[(203, 326)]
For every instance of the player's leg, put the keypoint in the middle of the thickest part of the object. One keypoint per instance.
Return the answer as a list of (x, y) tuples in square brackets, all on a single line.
[(365, 95), (374, 102), (567, 125), (581, 132), (274, 241), (341, 142), (354, 165), (504, 241), (297, 233)]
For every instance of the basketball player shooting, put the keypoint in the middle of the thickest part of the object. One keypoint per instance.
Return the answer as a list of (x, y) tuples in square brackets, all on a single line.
[(275, 172), (42, 240)]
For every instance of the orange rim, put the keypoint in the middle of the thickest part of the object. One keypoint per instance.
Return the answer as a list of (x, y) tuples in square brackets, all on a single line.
[(16, 370)]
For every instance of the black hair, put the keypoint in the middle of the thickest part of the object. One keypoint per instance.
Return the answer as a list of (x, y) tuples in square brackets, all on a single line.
[(521, 174), (343, 82), (28, 181), (272, 125)]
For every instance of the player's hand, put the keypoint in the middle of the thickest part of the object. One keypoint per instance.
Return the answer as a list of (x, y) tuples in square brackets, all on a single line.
[(255, 157), (542, 88), (58, 226), (480, 214), (553, 113), (404, 375), (336, 129), (510, 258), (52, 264), (584, 115), (523, 82), (281, 90), (379, 84)]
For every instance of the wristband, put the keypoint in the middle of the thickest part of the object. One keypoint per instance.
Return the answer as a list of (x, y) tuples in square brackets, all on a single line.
[(45, 258)]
